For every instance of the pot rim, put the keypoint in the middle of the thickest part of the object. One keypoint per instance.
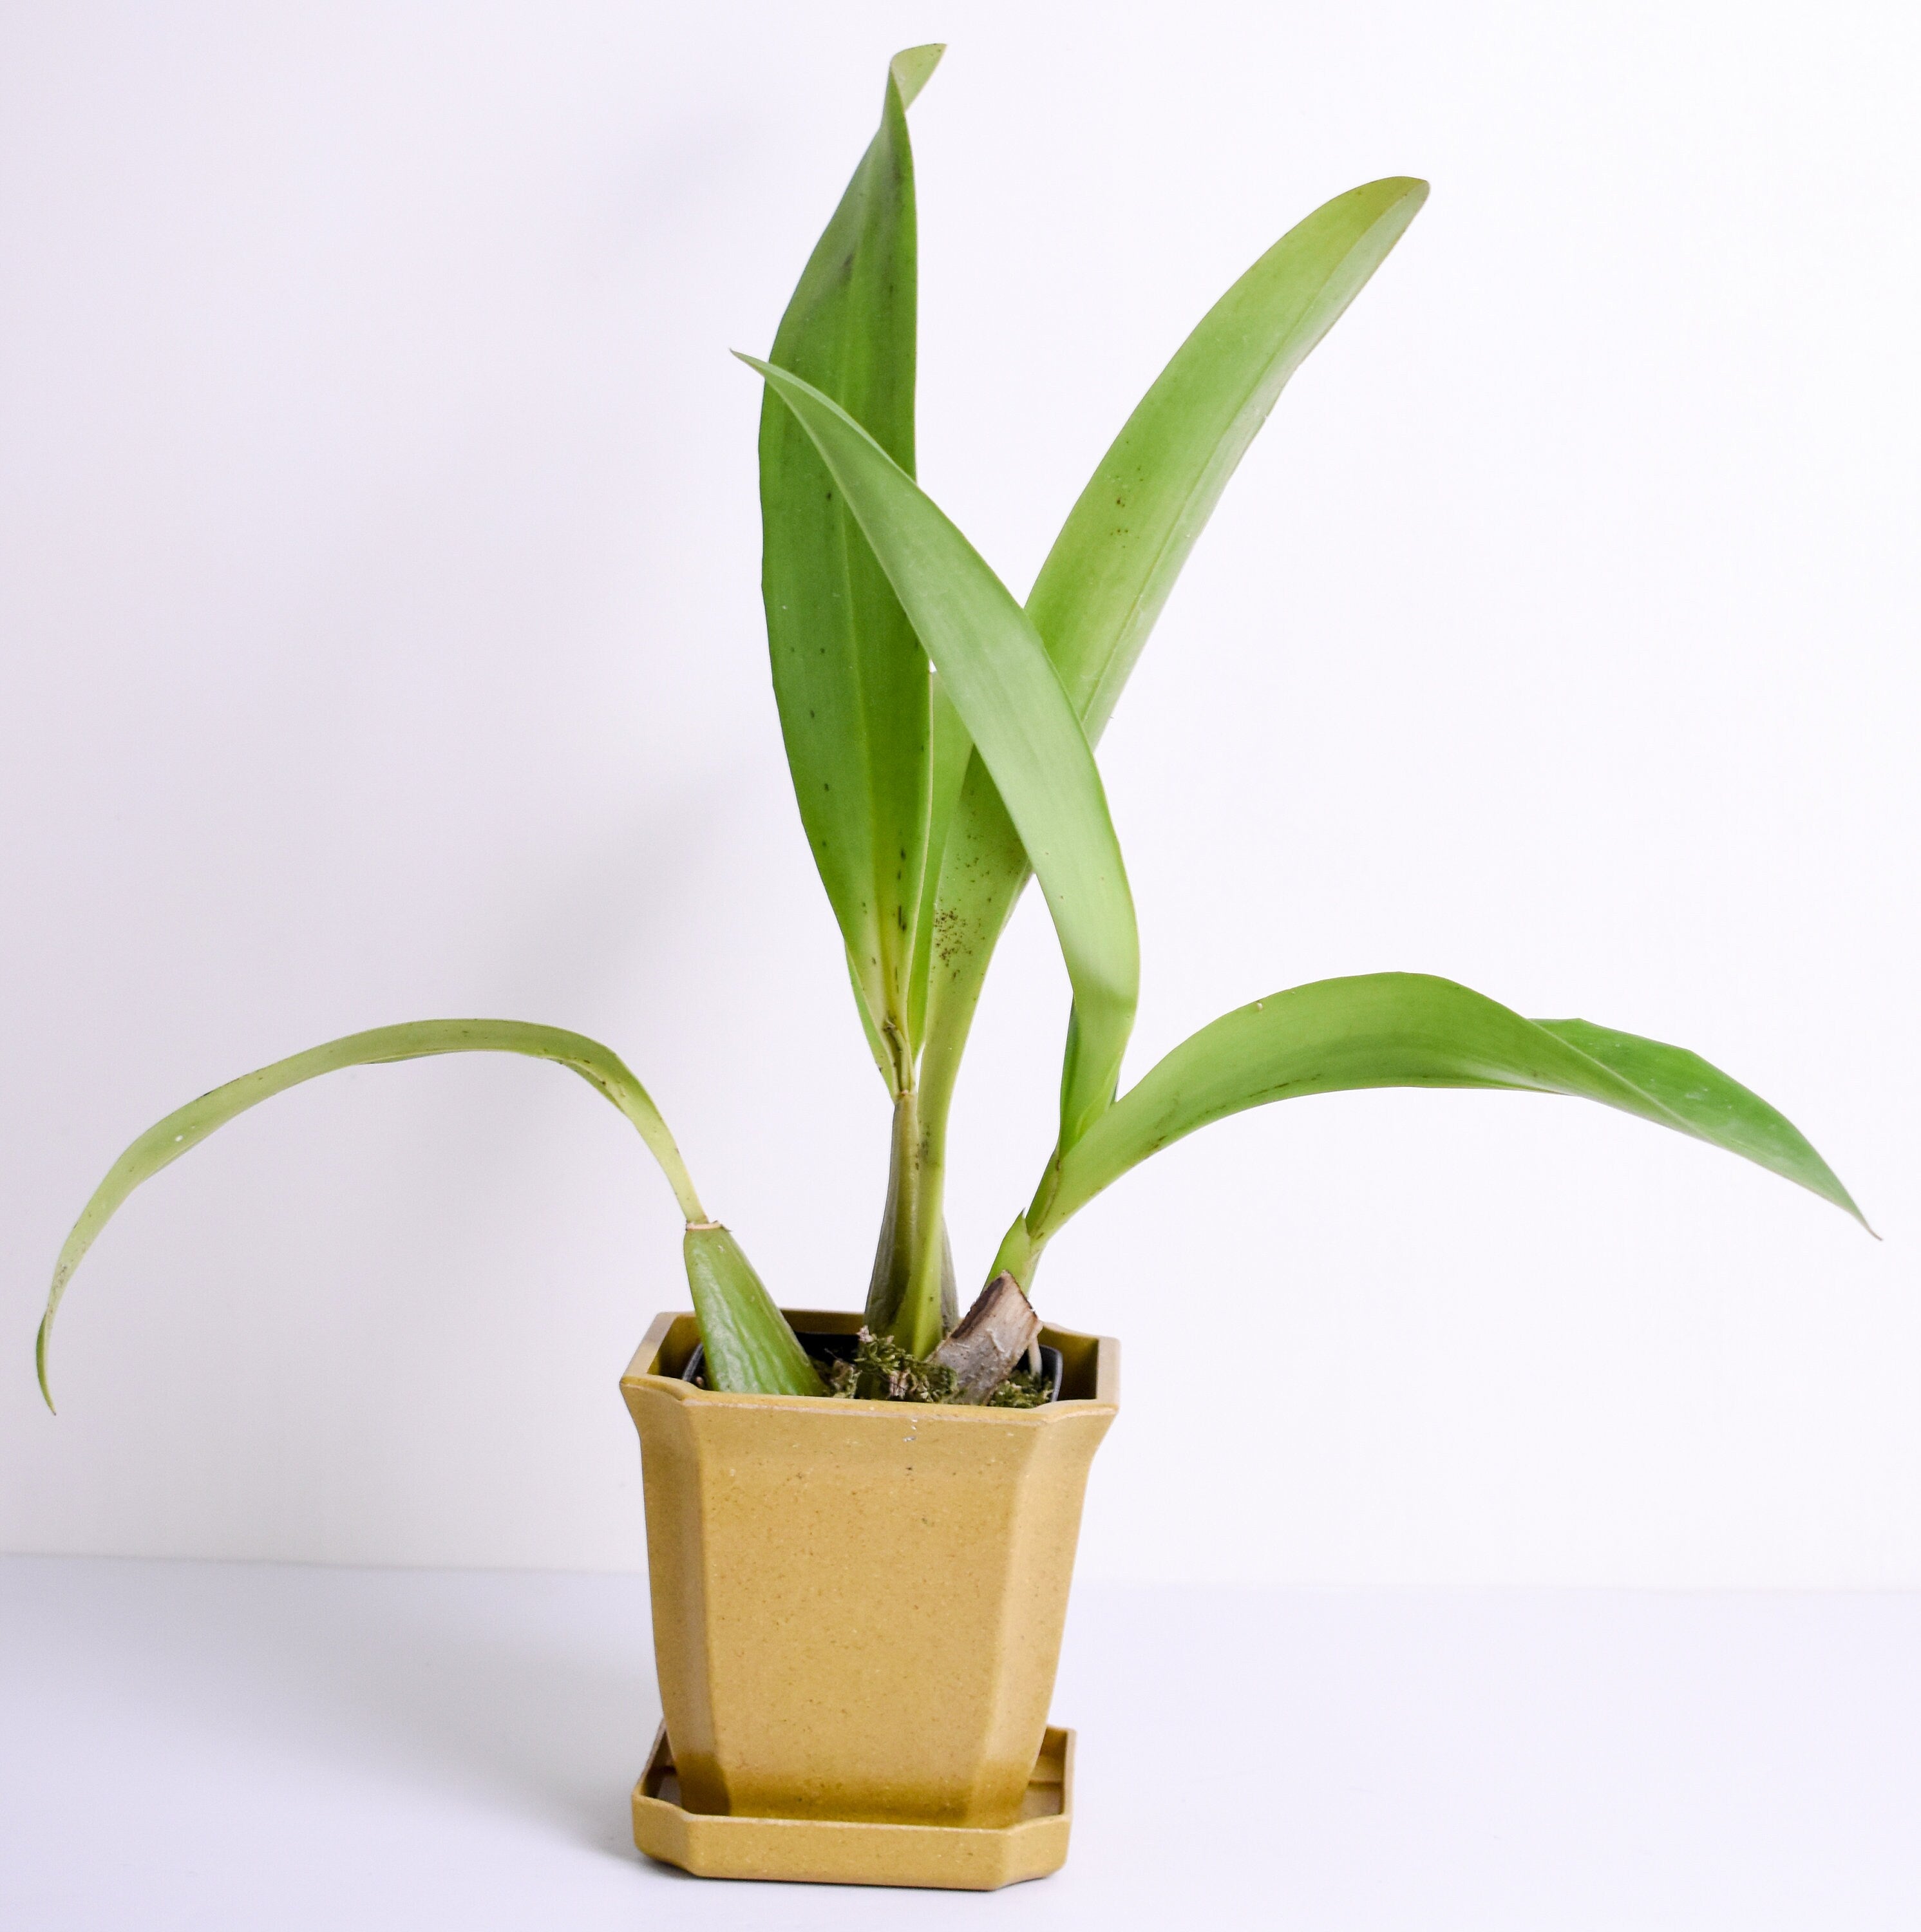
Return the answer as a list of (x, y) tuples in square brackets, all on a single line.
[(1092, 1362)]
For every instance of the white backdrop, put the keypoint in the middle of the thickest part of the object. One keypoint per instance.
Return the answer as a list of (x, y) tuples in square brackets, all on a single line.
[(383, 641)]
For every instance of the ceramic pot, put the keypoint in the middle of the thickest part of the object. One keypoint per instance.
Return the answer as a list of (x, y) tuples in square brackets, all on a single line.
[(857, 1606)]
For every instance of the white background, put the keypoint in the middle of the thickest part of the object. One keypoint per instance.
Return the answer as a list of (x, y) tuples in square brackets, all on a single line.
[(383, 641)]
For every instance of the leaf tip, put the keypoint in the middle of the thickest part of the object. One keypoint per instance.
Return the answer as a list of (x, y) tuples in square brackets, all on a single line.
[(1828, 1185), (1400, 197), (39, 1363), (912, 67)]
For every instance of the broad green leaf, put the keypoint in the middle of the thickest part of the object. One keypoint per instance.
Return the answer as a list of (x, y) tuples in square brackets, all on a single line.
[(1123, 545), (849, 677), (750, 1347), (1708, 1104), (1409, 1030), (165, 1142), (993, 666)]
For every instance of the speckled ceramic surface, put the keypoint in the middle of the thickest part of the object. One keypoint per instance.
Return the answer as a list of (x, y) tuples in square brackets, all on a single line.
[(956, 1857), (857, 1606)]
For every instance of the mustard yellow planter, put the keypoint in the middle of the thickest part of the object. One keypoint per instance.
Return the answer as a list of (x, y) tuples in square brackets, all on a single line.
[(820, 1851), (857, 1608)]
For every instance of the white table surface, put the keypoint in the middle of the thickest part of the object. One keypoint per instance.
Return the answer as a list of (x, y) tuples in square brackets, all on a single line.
[(274, 1748)]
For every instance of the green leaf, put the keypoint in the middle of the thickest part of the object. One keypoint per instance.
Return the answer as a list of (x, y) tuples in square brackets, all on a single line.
[(1123, 545), (849, 678), (750, 1347), (993, 666), (1410, 1030), (912, 67), (877, 1046), (953, 753), (1125, 540), (186, 1128), (1707, 1105)]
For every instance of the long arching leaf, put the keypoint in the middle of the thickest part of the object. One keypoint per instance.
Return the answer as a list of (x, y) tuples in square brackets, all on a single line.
[(1123, 545), (600, 1067), (993, 666), (1410, 1030), (849, 678)]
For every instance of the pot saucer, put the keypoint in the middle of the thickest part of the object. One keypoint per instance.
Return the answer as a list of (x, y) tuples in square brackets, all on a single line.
[(819, 1851)]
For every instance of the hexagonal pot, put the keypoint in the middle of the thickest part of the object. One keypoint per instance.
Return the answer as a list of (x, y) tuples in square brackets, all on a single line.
[(857, 1606)]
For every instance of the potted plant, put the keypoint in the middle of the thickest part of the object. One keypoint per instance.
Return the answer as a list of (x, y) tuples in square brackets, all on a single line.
[(861, 1526)]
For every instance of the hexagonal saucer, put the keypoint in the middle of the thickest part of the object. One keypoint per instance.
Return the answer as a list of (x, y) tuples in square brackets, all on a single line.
[(814, 1851)]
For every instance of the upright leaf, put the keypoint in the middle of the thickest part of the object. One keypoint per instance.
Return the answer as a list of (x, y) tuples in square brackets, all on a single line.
[(1410, 1030), (953, 753), (849, 678), (1123, 545), (1111, 568), (1009, 697), (601, 1068)]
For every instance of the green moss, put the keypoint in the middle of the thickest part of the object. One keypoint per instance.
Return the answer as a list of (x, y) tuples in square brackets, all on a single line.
[(1021, 1390), (883, 1371)]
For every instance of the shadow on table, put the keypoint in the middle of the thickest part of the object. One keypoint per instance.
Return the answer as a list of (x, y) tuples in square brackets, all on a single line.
[(534, 1691)]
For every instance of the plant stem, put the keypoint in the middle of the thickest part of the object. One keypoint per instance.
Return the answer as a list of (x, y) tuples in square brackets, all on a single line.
[(911, 1297), (1019, 1252)]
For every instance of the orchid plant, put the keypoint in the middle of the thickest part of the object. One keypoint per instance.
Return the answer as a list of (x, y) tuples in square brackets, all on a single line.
[(941, 735)]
